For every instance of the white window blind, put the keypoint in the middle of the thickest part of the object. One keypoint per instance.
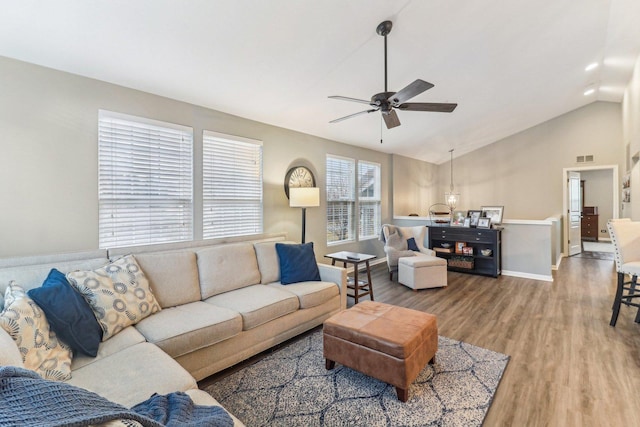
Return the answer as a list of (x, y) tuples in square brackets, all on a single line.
[(145, 181), (232, 186), (369, 200), (340, 199)]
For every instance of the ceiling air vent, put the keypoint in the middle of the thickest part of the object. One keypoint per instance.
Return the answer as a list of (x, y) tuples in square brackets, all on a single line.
[(588, 158), (580, 159)]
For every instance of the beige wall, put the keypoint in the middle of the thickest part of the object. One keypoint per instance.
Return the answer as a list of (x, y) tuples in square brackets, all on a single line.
[(523, 172), (598, 185), (631, 136), (415, 186), (48, 160)]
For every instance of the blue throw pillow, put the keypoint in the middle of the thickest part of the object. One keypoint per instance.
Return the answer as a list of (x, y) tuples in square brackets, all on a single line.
[(411, 245), (69, 315), (297, 263)]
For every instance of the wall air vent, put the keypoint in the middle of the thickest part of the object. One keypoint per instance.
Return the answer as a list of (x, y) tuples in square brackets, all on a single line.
[(585, 159)]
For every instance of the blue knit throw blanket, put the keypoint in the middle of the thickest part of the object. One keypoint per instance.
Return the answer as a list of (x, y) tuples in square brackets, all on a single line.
[(27, 399)]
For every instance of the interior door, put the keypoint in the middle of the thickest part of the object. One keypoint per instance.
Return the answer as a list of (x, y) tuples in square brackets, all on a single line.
[(575, 213)]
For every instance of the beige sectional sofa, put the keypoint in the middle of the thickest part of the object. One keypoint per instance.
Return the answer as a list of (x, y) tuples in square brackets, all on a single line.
[(221, 303)]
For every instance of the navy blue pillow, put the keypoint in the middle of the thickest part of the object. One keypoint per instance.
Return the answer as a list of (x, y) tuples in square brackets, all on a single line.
[(297, 263), (68, 314), (412, 245)]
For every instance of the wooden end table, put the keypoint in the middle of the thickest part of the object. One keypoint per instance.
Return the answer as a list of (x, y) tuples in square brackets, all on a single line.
[(360, 287)]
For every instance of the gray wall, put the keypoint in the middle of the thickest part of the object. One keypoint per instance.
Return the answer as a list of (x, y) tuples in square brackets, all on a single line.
[(48, 160), (524, 171), (598, 186)]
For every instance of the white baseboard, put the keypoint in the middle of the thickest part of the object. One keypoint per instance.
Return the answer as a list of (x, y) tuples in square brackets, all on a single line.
[(557, 264), (523, 275)]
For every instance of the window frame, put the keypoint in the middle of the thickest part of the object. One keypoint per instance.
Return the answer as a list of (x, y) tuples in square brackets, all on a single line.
[(132, 183), (209, 201)]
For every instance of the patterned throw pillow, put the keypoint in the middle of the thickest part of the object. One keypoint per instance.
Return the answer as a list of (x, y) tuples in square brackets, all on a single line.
[(40, 348), (118, 293)]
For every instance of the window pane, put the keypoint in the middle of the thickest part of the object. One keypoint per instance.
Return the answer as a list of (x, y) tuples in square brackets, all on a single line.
[(369, 199), (340, 199), (145, 178), (232, 186)]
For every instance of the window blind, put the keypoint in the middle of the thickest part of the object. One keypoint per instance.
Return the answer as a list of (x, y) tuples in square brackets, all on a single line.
[(369, 200), (340, 199), (145, 181), (232, 186)]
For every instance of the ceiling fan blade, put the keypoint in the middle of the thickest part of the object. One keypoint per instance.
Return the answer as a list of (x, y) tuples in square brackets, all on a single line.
[(409, 91), (391, 119), (353, 115), (428, 106), (346, 98)]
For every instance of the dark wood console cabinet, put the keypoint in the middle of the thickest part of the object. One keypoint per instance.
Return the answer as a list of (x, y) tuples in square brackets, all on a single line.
[(476, 238), (589, 227)]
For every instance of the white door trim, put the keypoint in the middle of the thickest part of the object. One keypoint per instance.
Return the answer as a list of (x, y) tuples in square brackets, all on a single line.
[(616, 198)]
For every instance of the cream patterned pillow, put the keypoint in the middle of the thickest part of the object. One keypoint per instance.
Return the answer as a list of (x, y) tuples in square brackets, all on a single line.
[(118, 293), (39, 347)]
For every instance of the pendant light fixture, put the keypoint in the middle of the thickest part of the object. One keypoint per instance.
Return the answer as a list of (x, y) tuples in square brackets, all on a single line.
[(452, 197)]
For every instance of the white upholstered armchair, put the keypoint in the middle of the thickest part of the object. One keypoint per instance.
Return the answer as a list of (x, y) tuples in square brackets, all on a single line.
[(395, 244)]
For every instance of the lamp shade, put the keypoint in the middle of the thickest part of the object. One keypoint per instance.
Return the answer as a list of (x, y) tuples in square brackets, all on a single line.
[(304, 197)]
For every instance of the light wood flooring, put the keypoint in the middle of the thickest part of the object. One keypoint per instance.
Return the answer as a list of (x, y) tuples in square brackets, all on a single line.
[(568, 367)]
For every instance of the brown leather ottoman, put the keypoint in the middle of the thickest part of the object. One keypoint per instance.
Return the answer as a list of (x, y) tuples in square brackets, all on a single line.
[(392, 344)]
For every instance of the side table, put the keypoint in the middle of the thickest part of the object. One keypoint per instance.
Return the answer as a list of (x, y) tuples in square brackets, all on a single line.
[(360, 287)]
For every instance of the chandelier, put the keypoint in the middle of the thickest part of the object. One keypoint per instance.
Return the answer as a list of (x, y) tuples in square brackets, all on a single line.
[(451, 197)]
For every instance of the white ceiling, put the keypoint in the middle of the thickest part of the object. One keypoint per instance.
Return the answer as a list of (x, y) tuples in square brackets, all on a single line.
[(509, 64)]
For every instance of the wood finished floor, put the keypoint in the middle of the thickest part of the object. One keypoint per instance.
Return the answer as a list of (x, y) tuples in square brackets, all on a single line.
[(568, 367)]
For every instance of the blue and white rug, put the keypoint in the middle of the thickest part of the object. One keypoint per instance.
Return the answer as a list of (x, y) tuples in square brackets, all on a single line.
[(291, 387)]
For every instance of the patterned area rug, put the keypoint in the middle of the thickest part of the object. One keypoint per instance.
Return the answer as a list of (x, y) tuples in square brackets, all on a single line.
[(291, 387)]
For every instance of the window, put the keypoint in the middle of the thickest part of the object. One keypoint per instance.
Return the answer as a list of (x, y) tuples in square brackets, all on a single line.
[(340, 199), (145, 181), (231, 185), (369, 200)]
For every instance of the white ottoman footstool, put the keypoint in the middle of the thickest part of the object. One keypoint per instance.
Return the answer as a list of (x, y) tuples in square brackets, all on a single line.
[(422, 272)]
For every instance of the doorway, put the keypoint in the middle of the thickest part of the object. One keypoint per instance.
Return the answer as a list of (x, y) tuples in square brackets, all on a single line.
[(569, 248)]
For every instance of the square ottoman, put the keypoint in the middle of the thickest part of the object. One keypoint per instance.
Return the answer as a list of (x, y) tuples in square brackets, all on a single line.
[(389, 343), (422, 272)]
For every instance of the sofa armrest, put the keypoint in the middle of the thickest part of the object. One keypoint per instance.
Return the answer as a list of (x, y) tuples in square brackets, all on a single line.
[(338, 275), (427, 251)]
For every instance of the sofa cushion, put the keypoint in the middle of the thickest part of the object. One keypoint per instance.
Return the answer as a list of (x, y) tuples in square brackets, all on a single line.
[(257, 304), (189, 327), (118, 294), (128, 337), (224, 268), (39, 347), (297, 263), (9, 353), (310, 294), (68, 314), (133, 374), (173, 276), (268, 261)]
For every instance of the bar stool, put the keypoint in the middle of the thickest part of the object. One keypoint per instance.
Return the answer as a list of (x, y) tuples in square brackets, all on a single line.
[(625, 236)]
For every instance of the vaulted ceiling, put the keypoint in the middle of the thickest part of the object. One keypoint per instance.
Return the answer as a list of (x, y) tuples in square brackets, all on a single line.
[(509, 64)]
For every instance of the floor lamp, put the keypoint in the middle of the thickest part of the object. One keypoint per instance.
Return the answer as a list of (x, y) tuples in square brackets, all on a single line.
[(304, 197)]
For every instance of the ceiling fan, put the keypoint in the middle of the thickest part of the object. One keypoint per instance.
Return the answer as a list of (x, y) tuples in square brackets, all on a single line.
[(386, 102)]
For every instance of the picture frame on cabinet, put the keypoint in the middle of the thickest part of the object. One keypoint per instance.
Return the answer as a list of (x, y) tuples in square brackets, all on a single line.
[(460, 247), (494, 213), (474, 215), (457, 219), (484, 222)]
